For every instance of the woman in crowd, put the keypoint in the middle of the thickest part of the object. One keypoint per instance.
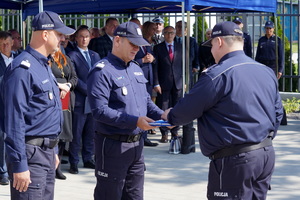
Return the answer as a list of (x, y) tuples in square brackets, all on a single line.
[(64, 72)]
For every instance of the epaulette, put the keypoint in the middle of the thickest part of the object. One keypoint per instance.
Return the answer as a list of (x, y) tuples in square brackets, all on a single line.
[(25, 63), (100, 65), (209, 68)]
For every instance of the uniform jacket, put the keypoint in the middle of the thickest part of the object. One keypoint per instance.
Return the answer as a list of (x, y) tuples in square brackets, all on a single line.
[(166, 73), (102, 45), (82, 69), (32, 104), (229, 110), (266, 51), (118, 96), (247, 44)]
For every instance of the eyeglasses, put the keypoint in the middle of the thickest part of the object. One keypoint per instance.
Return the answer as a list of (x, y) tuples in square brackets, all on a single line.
[(171, 33), (16, 38)]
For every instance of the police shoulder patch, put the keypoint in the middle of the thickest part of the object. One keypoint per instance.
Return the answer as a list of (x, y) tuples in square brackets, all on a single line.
[(25, 64)]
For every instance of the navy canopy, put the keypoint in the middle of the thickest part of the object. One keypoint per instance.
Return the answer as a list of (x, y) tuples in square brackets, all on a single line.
[(31, 7)]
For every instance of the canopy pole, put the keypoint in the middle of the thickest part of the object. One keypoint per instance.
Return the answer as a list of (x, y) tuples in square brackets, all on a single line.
[(41, 6), (183, 49), (187, 63), (276, 43)]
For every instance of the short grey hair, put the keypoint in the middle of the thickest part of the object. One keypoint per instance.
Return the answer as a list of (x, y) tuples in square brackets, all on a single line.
[(231, 39)]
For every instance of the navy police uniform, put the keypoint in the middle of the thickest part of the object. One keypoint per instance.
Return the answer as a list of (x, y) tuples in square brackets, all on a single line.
[(33, 113), (247, 44), (266, 52), (118, 96), (33, 120), (236, 122)]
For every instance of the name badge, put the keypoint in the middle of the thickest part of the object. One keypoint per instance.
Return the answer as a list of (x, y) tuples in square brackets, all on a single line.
[(50, 95), (124, 91)]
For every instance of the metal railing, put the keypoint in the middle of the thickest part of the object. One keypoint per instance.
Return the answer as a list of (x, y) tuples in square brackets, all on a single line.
[(288, 15)]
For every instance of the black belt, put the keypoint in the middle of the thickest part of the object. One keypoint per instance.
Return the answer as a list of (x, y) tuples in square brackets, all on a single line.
[(39, 141), (123, 138), (243, 148)]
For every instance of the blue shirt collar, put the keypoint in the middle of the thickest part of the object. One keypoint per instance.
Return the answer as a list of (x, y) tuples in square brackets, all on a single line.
[(38, 56), (231, 54), (116, 61)]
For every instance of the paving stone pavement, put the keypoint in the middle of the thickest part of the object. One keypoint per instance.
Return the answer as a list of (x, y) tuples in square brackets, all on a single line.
[(184, 177)]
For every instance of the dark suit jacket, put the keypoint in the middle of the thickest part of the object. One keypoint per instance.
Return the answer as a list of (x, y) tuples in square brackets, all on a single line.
[(82, 69), (2, 66), (102, 45), (71, 46), (166, 73), (194, 63), (146, 67)]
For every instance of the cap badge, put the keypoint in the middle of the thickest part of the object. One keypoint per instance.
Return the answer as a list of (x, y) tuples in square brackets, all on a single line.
[(238, 31), (139, 32)]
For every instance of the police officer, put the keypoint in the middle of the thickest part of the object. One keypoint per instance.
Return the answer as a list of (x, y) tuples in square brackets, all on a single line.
[(32, 110), (246, 36), (159, 36), (236, 119), (266, 50), (121, 106)]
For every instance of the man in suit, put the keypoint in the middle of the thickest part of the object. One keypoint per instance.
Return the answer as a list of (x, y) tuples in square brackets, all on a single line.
[(194, 62), (83, 59), (17, 42), (6, 57), (70, 41), (102, 45), (188, 131), (168, 75)]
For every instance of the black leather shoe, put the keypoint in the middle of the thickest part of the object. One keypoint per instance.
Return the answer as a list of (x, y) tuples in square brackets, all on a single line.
[(4, 181), (89, 164), (148, 143), (73, 169), (59, 175)]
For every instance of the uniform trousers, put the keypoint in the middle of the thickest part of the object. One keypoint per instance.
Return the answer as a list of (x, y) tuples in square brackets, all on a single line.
[(243, 176), (83, 132), (41, 164), (119, 169), (3, 168)]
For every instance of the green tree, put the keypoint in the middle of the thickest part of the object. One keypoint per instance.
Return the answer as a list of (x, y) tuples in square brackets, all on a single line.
[(200, 21)]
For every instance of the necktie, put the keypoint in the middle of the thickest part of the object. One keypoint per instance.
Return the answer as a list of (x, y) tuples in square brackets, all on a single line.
[(180, 40), (171, 52), (88, 60)]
